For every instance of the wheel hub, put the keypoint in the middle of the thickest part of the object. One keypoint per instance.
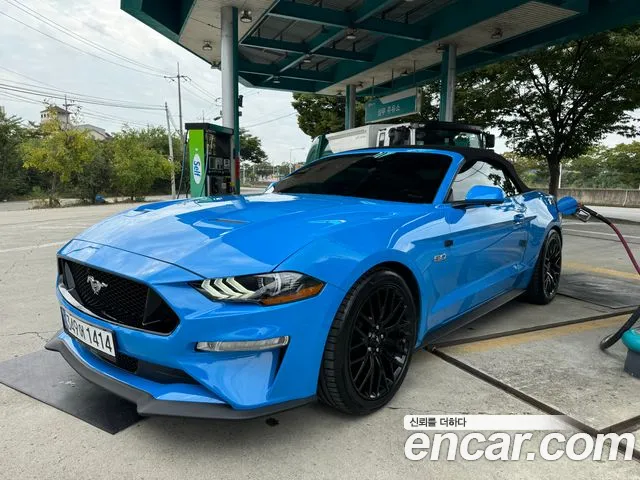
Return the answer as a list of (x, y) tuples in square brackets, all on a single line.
[(379, 348)]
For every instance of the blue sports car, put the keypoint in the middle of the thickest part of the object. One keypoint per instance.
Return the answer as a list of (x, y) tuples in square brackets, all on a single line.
[(322, 287)]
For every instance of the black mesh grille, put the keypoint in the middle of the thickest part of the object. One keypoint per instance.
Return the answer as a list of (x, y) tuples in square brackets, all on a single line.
[(118, 299), (150, 371)]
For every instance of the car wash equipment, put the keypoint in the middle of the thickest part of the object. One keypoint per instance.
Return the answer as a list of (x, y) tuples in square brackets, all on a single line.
[(630, 336)]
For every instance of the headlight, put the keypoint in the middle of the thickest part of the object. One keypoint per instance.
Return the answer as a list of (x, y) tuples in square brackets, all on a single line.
[(266, 288)]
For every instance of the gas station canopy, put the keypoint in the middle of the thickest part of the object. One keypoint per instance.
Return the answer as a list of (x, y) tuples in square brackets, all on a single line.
[(375, 46)]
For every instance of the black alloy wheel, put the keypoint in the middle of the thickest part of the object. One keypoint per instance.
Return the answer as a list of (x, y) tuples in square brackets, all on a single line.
[(370, 344), (552, 266), (545, 280)]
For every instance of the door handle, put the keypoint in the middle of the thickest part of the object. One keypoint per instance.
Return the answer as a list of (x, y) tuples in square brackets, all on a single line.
[(518, 219)]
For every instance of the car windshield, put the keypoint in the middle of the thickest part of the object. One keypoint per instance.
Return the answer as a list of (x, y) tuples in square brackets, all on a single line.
[(411, 177)]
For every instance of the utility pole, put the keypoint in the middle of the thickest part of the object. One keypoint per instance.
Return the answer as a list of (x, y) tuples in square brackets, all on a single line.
[(173, 170), (179, 78), (180, 102), (66, 106)]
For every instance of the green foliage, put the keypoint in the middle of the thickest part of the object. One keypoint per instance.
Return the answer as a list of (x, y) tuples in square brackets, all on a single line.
[(13, 178), (251, 148), (59, 152), (136, 163), (559, 102), (322, 114), (554, 104), (96, 176), (533, 171), (617, 167), (624, 160)]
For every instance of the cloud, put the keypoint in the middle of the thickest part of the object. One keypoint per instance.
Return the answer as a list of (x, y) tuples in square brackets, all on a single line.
[(102, 22)]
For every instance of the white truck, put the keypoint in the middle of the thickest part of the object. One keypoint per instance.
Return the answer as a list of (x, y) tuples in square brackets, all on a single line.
[(400, 135)]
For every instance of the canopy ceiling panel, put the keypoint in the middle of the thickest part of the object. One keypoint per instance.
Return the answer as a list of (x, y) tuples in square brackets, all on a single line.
[(381, 46)]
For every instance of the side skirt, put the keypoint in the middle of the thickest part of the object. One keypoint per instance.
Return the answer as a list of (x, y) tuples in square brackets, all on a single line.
[(432, 338)]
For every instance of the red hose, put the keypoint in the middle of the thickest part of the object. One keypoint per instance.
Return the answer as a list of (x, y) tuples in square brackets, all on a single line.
[(609, 340), (618, 233), (626, 247)]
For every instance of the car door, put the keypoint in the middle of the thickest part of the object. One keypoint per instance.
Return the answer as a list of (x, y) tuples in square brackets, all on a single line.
[(487, 243)]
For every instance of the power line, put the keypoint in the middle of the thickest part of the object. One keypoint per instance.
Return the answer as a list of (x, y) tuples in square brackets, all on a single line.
[(195, 95), (78, 49), (26, 76), (83, 111), (269, 121), (20, 98), (80, 97), (38, 16), (203, 90), (34, 88)]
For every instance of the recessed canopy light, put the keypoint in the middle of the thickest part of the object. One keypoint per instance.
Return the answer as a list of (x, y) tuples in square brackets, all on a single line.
[(207, 47), (276, 80), (306, 59), (351, 35), (246, 17)]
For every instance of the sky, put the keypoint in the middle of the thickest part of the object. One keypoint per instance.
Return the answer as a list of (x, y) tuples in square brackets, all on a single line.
[(31, 58), (267, 114)]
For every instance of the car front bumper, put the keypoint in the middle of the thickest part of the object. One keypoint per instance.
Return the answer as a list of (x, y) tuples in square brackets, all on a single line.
[(146, 403), (224, 384)]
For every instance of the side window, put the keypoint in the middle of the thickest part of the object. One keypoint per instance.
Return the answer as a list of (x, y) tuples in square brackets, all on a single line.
[(381, 139), (478, 172)]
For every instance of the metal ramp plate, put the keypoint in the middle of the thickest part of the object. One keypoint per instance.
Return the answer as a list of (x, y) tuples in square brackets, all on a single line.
[(45, 376), (601, 290)]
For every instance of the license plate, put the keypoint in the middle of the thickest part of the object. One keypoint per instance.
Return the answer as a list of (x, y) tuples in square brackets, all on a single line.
[(94, 337)]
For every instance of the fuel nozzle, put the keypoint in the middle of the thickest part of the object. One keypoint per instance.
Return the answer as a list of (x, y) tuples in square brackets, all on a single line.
[(582, 214)]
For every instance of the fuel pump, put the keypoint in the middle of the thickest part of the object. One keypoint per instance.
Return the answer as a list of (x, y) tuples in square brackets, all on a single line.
[(210, 150)]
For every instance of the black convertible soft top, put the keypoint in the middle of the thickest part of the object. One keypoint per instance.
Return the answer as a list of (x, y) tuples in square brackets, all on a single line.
[(469, 154)]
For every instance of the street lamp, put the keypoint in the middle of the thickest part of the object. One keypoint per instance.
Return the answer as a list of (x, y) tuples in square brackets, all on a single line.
[(290, 155)]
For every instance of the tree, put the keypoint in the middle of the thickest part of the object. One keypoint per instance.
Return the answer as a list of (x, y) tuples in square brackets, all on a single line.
[(136, 163), (13, 178), (59, 152), (322, 114), (97, 175), (533, 171), (251, 148), (560, 101), (623, 161), (554, 104)]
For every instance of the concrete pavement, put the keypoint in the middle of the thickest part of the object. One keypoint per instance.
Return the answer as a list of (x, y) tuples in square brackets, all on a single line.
[(20, 205), (618, 213)]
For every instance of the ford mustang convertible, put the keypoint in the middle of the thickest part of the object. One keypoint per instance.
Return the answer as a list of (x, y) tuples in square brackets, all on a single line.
[(322, 287)]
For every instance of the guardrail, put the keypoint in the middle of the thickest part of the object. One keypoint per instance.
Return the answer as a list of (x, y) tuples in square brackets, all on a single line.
[(603, 196)]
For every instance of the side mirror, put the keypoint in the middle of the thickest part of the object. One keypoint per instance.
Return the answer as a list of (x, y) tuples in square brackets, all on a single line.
[(489, 140), (270, 188), (481, 195)]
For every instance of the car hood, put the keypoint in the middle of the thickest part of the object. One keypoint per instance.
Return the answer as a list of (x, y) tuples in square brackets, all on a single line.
[(223, 236)]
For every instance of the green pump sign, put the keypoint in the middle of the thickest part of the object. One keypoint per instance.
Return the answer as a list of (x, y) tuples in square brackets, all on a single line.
[(395, 105), (196, 162)]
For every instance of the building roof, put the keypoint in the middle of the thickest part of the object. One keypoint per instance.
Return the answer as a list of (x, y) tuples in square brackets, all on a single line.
[(100, 131), (57, 109), (382, 46)]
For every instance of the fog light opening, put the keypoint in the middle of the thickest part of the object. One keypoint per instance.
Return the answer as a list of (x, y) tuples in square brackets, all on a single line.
[(243, 346)]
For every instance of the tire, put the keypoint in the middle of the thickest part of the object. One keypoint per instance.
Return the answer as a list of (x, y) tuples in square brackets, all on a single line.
[(545, 281), (376, 324)]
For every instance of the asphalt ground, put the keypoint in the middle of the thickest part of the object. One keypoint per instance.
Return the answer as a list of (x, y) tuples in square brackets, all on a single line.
[(38, 441)]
